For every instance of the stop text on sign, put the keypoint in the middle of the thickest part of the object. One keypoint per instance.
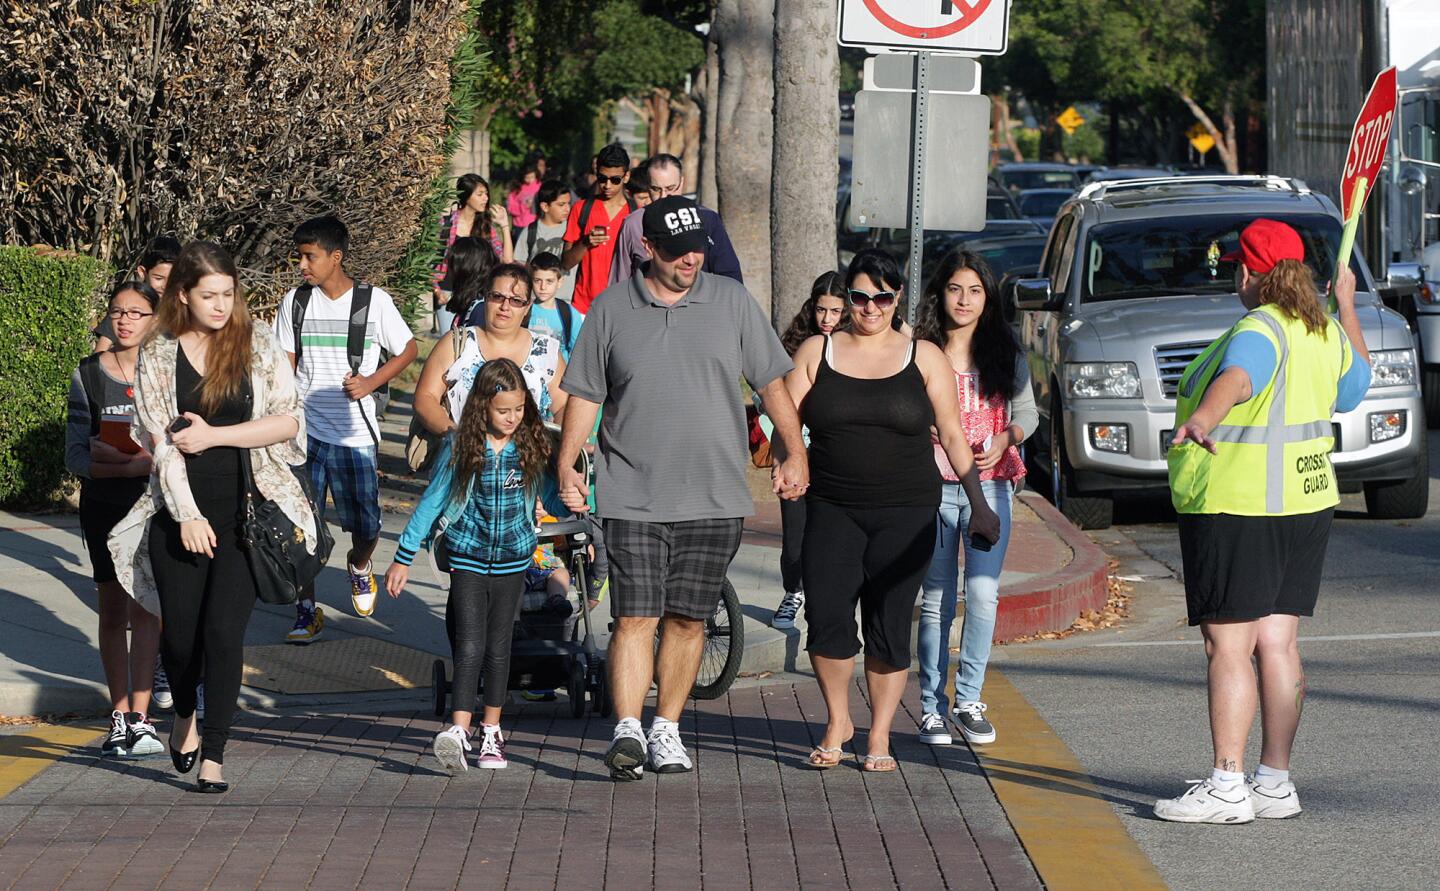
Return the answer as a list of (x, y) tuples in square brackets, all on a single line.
[(1370, 146)]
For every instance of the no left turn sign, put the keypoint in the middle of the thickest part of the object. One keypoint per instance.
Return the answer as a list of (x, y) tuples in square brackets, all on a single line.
[(978, 27)]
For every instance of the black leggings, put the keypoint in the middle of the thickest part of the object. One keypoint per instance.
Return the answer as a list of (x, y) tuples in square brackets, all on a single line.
[(480, 622), (875, 555), (792, 538), (205, 604)]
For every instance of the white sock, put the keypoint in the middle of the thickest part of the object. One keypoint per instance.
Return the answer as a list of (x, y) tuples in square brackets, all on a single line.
[(308, 603), (1226, 779), (662, 724), (631, 723), (1269, 777), (356, 570)]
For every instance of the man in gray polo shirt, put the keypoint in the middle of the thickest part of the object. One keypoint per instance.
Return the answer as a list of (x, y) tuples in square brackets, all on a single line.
[(664, 352)]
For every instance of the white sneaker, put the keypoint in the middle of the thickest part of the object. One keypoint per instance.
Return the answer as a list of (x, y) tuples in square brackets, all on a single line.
[(667, 752), (160, 695), (934, 731), (1204, 802), (790, 606), (450, 747), (626, 756), (1274, 802)]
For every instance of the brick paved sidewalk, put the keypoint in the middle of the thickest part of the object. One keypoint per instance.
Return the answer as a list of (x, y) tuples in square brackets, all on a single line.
[(356, 800)]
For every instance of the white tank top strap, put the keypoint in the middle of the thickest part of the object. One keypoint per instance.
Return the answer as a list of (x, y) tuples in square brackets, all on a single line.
[(910, 354)]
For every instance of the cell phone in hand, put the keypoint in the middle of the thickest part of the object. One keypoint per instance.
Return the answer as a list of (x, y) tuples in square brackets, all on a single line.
[(179, 424), (980, 542), (601, 231)]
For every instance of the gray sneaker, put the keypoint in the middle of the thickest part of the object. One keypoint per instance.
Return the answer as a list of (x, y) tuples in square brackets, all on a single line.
[(970, 718), (934, 731)]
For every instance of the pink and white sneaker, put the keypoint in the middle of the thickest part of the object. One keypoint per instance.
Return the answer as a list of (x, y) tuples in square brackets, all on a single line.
[(492, 748)]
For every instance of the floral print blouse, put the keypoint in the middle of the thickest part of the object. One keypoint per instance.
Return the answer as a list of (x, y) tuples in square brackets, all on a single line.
[(272, 382)]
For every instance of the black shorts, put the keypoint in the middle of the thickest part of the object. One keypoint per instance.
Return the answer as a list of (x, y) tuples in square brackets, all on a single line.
[(97, 518), (660, 568), (1252, 567)]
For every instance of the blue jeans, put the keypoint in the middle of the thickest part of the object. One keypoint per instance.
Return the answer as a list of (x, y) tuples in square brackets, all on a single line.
[(982, 596)]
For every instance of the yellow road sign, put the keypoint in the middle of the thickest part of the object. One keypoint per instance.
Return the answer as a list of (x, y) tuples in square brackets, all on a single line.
[(1200, 138), (1070, 119)]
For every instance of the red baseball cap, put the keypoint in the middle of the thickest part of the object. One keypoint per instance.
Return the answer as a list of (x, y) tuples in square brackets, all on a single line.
[(1264, 243)]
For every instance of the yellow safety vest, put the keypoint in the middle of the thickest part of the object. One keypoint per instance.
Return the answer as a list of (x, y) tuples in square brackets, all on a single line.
[(1273, 450)]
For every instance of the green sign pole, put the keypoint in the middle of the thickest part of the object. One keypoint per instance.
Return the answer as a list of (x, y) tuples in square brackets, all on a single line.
[(1347, 237)]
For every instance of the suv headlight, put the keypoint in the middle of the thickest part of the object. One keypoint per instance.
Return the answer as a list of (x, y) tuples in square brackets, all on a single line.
[(1392, 368), (1099, 380)]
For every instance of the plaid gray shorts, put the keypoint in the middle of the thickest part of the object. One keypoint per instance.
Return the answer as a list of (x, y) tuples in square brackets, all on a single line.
[(658, 568)]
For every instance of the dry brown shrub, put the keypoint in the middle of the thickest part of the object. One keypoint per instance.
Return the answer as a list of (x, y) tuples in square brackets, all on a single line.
[(232, 121)]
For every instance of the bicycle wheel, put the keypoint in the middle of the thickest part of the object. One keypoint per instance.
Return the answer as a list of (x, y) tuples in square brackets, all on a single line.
[(724, 647)]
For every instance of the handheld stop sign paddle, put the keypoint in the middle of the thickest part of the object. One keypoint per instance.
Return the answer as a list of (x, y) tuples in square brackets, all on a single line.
[(1368, 142)]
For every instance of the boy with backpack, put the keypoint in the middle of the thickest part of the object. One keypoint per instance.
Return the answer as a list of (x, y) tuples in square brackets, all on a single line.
[(334, 328), (594, 225), (547, 233), (549, 314)]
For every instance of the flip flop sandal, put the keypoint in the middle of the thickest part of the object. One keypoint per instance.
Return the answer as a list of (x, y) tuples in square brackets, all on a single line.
[(820, 757), (877, 763)]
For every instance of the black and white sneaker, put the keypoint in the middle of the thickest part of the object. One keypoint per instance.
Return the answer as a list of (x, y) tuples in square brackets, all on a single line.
[(934, 731), (666, 751), (970, 718), (789, 608), (114, 745), (140, 737), (626, 757), (1273, 802), (160, 695)]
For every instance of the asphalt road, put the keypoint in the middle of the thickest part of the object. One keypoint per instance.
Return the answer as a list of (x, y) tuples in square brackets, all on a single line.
[(1131, 705)]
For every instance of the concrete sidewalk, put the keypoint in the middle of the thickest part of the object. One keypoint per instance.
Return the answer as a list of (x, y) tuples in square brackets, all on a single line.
[(49, 659)]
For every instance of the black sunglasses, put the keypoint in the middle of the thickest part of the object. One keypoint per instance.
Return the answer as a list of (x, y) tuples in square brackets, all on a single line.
[(881, 299), (612, 180), (500, 299)]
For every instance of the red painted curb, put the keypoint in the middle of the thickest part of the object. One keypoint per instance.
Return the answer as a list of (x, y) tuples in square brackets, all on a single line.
[(1052, 602)]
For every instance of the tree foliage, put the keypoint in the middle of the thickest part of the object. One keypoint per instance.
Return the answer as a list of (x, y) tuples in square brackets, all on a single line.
[(231, 121)]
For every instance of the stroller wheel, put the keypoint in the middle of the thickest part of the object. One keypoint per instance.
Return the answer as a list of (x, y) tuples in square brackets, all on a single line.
[(440, 687), (600, 698), (576, 689)]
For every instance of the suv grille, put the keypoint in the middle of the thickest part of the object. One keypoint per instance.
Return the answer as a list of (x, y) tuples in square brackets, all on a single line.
[(1170, 362)]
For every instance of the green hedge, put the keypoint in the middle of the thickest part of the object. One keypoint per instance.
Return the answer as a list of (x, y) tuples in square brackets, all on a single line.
[(45, 318)]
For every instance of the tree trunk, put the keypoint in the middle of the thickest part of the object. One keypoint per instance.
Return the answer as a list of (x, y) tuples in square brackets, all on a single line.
[(683, 138), (708, 93), (807, 143), (1224, 142), (747, 90), (658, 121)]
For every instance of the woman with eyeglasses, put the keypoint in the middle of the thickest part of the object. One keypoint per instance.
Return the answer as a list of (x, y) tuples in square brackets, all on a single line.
[(493, 331), (113, 470), (870, 396)]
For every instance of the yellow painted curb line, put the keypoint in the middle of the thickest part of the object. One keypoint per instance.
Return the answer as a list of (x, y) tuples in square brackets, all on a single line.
[(23, 755), (1067, 827)]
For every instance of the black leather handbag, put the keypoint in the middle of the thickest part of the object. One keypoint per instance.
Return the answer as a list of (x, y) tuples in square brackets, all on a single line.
[(275, 546)]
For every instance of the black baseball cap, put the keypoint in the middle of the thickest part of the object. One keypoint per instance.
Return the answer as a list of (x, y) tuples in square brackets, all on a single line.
[(673, 224)]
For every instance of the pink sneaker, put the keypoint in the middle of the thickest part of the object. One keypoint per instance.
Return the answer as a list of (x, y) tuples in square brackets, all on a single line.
[(492, 748)]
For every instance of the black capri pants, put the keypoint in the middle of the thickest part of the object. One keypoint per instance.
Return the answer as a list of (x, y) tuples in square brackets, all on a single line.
[(876, 556), (480, 619)]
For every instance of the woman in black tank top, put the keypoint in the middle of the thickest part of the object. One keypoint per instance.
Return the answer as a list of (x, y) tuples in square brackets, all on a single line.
[(870, 397)]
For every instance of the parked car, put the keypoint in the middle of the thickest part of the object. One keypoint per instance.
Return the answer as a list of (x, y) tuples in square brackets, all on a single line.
[(1002, 218), (847, 106), (1124, 172), (1003, 252), (1019, 176), (1131, 289), (1041, 205)]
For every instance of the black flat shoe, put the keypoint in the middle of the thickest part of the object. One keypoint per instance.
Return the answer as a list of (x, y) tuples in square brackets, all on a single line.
[(212, 787), (184, 761)]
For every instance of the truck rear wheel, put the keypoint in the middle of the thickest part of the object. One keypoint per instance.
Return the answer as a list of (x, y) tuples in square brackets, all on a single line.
[(1406, 499), (1085, 511)]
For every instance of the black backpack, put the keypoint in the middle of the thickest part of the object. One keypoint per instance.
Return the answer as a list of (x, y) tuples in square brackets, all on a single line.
[(94, 386), (354, 340)]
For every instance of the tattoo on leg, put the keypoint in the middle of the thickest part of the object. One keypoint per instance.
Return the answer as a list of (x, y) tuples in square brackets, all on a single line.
[(1300, 690), (1229, 765)]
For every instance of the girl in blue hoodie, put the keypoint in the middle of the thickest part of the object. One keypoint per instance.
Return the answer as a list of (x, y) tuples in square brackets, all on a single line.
[(481, 499)]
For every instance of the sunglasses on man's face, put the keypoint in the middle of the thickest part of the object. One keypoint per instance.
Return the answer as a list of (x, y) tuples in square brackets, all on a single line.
[(881, 299), (516, 302), (612, 180)]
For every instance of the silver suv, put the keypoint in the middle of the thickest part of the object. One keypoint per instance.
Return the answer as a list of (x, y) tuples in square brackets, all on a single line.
[(1132, 289)]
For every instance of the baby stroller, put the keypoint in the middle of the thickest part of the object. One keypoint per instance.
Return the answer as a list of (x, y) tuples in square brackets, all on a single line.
[(554, 645)]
